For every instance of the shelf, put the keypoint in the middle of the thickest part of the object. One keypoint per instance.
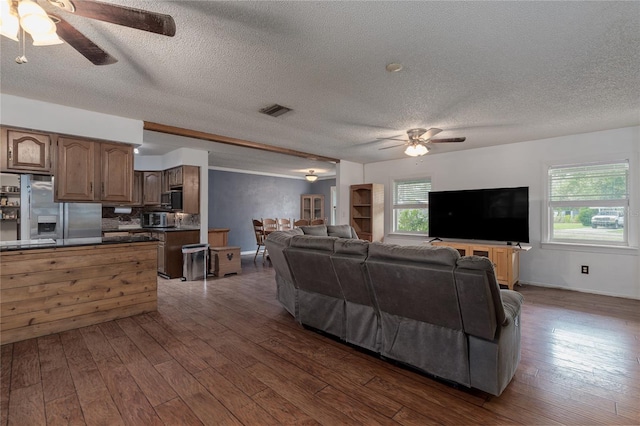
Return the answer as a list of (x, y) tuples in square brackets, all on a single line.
[(9, 207)]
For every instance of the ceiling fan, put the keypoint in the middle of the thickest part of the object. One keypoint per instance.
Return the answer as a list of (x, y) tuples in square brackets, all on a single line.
[(48, 29), (419, 141)]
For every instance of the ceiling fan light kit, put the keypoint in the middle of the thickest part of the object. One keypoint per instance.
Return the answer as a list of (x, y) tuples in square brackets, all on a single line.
[(34, 20), (420, 140), (9, 21), (416, 150), (49, 29), (311, 177)]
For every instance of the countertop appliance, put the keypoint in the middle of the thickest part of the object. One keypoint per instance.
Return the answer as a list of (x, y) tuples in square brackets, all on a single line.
[(41, 217), (158, 220)]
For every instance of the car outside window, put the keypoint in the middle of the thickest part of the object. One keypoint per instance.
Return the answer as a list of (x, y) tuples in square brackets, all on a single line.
[(587, 203)]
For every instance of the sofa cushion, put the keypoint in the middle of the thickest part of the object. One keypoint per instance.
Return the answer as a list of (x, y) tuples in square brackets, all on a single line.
[(340, 231), (317, 230), (445, 256), (351, 246), (310, 242)]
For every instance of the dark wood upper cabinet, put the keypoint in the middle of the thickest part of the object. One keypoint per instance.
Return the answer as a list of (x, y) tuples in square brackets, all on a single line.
[(93, 171), (152, 188), (117, 172), (24, 151), (75, 175)]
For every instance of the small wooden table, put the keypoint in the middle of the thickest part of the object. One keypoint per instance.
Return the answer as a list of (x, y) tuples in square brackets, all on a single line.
[(218, 237), (225, 260)]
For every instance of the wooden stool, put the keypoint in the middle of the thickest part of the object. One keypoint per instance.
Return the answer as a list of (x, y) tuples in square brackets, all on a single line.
[(225, 260)]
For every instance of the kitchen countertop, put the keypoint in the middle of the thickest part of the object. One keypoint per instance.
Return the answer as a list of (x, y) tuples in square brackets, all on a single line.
[(72, 242), (135, 230)]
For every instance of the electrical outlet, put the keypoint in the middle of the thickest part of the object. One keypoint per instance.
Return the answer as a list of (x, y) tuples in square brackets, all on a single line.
[(585, 269)]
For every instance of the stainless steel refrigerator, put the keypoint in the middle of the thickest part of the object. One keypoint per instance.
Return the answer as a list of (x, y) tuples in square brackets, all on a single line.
[(42, 218)]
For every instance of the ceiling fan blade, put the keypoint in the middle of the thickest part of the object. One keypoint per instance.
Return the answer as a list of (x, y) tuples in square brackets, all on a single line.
[(81, 43), (392, 139), (448, 140), (392, 146), (430, 133), (139, 19)]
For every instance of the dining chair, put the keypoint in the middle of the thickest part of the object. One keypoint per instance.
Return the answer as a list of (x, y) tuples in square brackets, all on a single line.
[(270, 225), (258, 229), (284, 224), (319, 221), (300, 222)]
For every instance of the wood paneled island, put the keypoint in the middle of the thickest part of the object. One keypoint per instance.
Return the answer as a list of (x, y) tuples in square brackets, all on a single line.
[(71, 284)]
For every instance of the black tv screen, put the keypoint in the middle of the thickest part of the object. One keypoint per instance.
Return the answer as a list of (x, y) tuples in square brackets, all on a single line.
[(498, 214)]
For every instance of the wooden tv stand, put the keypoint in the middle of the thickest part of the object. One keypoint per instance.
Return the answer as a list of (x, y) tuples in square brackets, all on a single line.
[(505, 258)]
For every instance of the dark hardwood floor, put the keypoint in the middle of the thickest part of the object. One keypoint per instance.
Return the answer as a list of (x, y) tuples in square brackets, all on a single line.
[(225, 352)]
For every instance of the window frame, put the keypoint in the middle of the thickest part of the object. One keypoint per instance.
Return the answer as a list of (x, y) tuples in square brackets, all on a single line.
[(394, 207), (625, 203)]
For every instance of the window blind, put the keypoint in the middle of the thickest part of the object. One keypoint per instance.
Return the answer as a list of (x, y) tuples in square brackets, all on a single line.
[(411, 192), (596, 182)]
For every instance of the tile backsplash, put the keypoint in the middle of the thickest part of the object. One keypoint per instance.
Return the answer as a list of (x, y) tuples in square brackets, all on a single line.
[(111, 219)]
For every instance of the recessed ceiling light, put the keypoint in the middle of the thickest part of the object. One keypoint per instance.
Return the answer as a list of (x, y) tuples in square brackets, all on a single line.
[(394, 67)]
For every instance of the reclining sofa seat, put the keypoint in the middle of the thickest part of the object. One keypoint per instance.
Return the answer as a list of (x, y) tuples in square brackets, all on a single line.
[(285, 287), (320, 298), (362, 318), (421, 322), (491, 319)]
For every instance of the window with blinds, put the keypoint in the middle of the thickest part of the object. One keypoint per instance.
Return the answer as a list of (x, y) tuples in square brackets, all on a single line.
[(588, 203), (411, 205)]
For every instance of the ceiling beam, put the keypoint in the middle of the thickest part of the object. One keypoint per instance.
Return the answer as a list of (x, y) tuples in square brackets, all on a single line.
[(178, 131)]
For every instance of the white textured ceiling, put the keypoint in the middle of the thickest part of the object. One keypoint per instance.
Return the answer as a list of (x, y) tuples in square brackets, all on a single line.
[(495, 72)]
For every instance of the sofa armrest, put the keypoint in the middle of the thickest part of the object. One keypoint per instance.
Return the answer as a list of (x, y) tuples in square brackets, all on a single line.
[(512, 303)]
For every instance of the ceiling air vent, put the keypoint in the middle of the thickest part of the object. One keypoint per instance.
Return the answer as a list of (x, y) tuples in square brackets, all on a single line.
[(275, 110)]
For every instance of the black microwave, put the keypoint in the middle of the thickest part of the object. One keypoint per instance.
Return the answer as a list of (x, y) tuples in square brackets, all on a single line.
[(171, 200)]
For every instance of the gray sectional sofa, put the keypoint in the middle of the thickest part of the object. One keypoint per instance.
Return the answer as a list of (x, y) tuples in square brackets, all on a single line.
[(423, 306)]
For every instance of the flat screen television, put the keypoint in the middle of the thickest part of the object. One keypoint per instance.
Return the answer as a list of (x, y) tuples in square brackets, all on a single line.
[(497, 214)]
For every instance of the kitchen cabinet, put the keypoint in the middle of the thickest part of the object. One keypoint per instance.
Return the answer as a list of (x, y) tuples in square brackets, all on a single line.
[(75, 170), (174, 177), (190, 176), (170, 250), (312, 206), (93, 171), (136, 198), (25, 151), (367, 210), (187, 180), (151, 188), (117, 172), (505, 259)]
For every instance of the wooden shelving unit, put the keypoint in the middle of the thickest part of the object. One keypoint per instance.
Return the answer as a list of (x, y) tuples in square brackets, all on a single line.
[(367, 210)]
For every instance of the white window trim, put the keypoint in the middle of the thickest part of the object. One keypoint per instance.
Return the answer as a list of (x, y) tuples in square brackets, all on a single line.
[(631, 219), (391, 206)]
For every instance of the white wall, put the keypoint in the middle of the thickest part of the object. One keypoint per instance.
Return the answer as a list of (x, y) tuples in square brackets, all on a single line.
[(38, 115), (613, 272), (347, 173)]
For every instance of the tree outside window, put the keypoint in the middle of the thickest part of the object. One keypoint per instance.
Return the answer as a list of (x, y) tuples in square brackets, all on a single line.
[(411, 205), (588, 202)]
